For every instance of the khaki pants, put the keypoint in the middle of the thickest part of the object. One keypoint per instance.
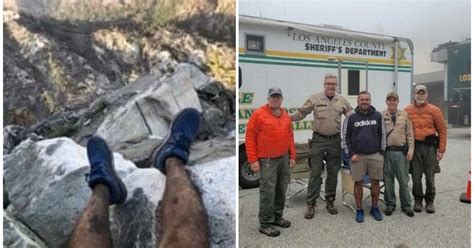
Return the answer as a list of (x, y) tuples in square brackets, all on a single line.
[(274, 179)]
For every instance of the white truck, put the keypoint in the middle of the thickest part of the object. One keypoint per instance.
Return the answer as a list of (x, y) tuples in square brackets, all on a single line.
[(295, 57)]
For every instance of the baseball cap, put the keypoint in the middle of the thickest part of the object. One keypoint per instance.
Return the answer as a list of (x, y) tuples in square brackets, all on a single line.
[(274, 90), (420, 87), (392, 94)]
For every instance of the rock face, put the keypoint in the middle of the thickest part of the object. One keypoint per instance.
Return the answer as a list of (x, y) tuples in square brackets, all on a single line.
[(133, 223), (46, 184), (135, 119), (55, 62), (218, 190), (16, 234)]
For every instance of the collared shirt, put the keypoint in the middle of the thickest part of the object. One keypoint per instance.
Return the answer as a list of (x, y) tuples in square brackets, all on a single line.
[(327, 113), (402, 130)]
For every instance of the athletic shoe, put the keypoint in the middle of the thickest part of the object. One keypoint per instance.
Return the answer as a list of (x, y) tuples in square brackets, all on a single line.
[(183, 130), (103, 171)]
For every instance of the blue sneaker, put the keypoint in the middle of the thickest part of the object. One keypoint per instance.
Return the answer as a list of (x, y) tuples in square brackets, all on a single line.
[(102, 170), (360, 215), (374, 211), (183, 130)]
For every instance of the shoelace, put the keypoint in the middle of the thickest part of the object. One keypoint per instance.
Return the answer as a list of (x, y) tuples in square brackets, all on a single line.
[(92, 170), (183, 142), (87, 176)]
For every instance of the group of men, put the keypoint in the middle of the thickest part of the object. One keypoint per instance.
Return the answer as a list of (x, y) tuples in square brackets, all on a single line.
[(383, 146)]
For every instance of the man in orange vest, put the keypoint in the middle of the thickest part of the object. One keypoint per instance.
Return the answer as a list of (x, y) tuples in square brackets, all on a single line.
[(430, 133), (268, 139)]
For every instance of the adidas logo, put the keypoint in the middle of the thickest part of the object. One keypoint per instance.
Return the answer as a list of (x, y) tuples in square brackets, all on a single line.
[(365, 123)]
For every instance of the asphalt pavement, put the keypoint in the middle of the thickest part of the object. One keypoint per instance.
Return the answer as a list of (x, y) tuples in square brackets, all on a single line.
[(448, 227)]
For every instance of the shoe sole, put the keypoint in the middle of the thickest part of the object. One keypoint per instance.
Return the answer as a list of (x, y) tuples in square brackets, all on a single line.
[(268, 234), (375, 218), (359, 221), (332, 212), (282, 226), (112, 165), (157, 151), (407, 213), (167, 138), (389, 213), (121, 184), (429, 211), (308, 216)]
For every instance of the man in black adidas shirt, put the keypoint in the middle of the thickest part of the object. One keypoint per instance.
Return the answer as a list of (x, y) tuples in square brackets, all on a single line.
[(364, 139)]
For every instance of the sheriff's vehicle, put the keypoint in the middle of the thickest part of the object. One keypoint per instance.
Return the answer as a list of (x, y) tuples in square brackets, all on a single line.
[(295, 57)]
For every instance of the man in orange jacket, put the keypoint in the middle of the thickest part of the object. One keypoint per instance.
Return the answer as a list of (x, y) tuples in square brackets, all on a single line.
[(268, 140), (430, 133)]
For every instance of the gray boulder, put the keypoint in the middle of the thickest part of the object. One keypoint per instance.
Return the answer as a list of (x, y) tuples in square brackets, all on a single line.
[(133, 223), (178, 92), (46, 184), (143, 121), (216, 181), (48, 193), (193, 74), (16, 234)]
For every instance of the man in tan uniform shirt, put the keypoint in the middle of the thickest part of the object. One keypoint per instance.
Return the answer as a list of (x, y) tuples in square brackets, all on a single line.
[(399, 151), (327, 107)]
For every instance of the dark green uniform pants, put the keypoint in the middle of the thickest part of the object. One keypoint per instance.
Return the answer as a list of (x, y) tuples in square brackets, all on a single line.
[(423, 162), (274, 178), (396, 165), (328, 149)]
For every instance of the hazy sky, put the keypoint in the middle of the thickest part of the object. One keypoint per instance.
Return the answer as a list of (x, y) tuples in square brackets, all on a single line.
[(426, 23)]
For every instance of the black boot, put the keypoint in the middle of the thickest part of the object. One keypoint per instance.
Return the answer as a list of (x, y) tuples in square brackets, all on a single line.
[(330, 206)]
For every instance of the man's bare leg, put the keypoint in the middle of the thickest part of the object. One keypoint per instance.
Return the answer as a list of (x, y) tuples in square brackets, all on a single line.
[(92, 229), (374, 191), (358, 193), (182, 214)]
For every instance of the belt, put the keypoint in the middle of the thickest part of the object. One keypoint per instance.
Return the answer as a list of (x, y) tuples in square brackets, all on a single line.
[(422, 142), (327, 136), (268, 158), (395, 148)]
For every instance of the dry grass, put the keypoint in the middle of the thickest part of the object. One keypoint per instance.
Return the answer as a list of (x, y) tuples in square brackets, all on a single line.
[(221, 65)]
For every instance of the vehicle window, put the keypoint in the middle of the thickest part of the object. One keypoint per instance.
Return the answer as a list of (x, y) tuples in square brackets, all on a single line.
[(255, 43), (353, 82)]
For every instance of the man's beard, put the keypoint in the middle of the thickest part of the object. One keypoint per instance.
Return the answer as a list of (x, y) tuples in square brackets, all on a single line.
[(420, 101), (364, 108)]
